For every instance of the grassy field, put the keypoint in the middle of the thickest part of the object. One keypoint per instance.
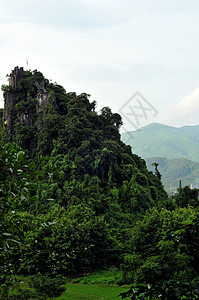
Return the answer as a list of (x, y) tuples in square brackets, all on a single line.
[(91, 292), (99, 285)]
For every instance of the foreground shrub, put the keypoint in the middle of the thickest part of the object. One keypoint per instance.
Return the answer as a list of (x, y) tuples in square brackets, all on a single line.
[(48, 288), (171, 290)]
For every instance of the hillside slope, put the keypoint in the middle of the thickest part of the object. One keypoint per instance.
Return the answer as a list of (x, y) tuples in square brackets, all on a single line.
[(174, 170), (84, 187), (74, 197), (164, 141)]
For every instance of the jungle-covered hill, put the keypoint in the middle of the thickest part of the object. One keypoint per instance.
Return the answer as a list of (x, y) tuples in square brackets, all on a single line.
[(74, 195)]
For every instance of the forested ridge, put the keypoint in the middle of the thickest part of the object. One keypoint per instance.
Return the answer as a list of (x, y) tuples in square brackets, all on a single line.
[(164, 141), (174, 170), (73, 195)]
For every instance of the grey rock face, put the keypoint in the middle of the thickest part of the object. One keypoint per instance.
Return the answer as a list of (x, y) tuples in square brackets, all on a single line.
[(25, 115)]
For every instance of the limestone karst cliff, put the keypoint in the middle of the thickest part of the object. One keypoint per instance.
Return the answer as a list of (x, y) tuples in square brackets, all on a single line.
[(23, 98)]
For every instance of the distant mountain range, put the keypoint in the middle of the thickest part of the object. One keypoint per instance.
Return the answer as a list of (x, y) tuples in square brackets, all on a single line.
[(174, 170), (175, 149), (164, 141)]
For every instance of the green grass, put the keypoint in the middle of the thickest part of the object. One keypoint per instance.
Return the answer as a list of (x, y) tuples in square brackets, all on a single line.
[(104, 277), (94, 292), (102, 289)]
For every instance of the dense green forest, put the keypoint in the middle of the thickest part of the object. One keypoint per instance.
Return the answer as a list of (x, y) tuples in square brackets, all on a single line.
[(74, 196)]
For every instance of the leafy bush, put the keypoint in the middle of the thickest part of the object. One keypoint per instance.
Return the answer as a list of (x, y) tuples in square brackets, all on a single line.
[(23, 295), (48, 288), (37, 287), (171, 290)]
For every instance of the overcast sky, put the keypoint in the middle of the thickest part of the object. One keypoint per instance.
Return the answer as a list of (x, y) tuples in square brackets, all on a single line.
[(110, 49)]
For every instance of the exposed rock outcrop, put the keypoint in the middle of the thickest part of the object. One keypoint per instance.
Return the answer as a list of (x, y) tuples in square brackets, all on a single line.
[(23, 111), (15, 76)]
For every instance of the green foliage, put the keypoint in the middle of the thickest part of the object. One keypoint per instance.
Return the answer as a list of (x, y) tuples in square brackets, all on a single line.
[(5, 88), (14, 180), (63, 241), (74, 196), (171, 290), (48, 288), (34, 287), (160, 247), (186, 196), (104, 277)]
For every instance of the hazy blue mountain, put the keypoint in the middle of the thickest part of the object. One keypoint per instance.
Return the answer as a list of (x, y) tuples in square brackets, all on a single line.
[(176, 169), (164, 141)]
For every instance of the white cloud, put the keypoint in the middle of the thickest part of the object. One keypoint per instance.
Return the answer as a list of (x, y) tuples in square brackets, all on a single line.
[(184, 112), (81, 15)]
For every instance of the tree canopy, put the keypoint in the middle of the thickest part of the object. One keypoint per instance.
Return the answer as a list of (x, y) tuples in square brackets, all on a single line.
[(74, 195)]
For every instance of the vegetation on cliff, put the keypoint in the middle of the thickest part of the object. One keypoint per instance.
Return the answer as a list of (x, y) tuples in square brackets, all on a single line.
[(73, 195)]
